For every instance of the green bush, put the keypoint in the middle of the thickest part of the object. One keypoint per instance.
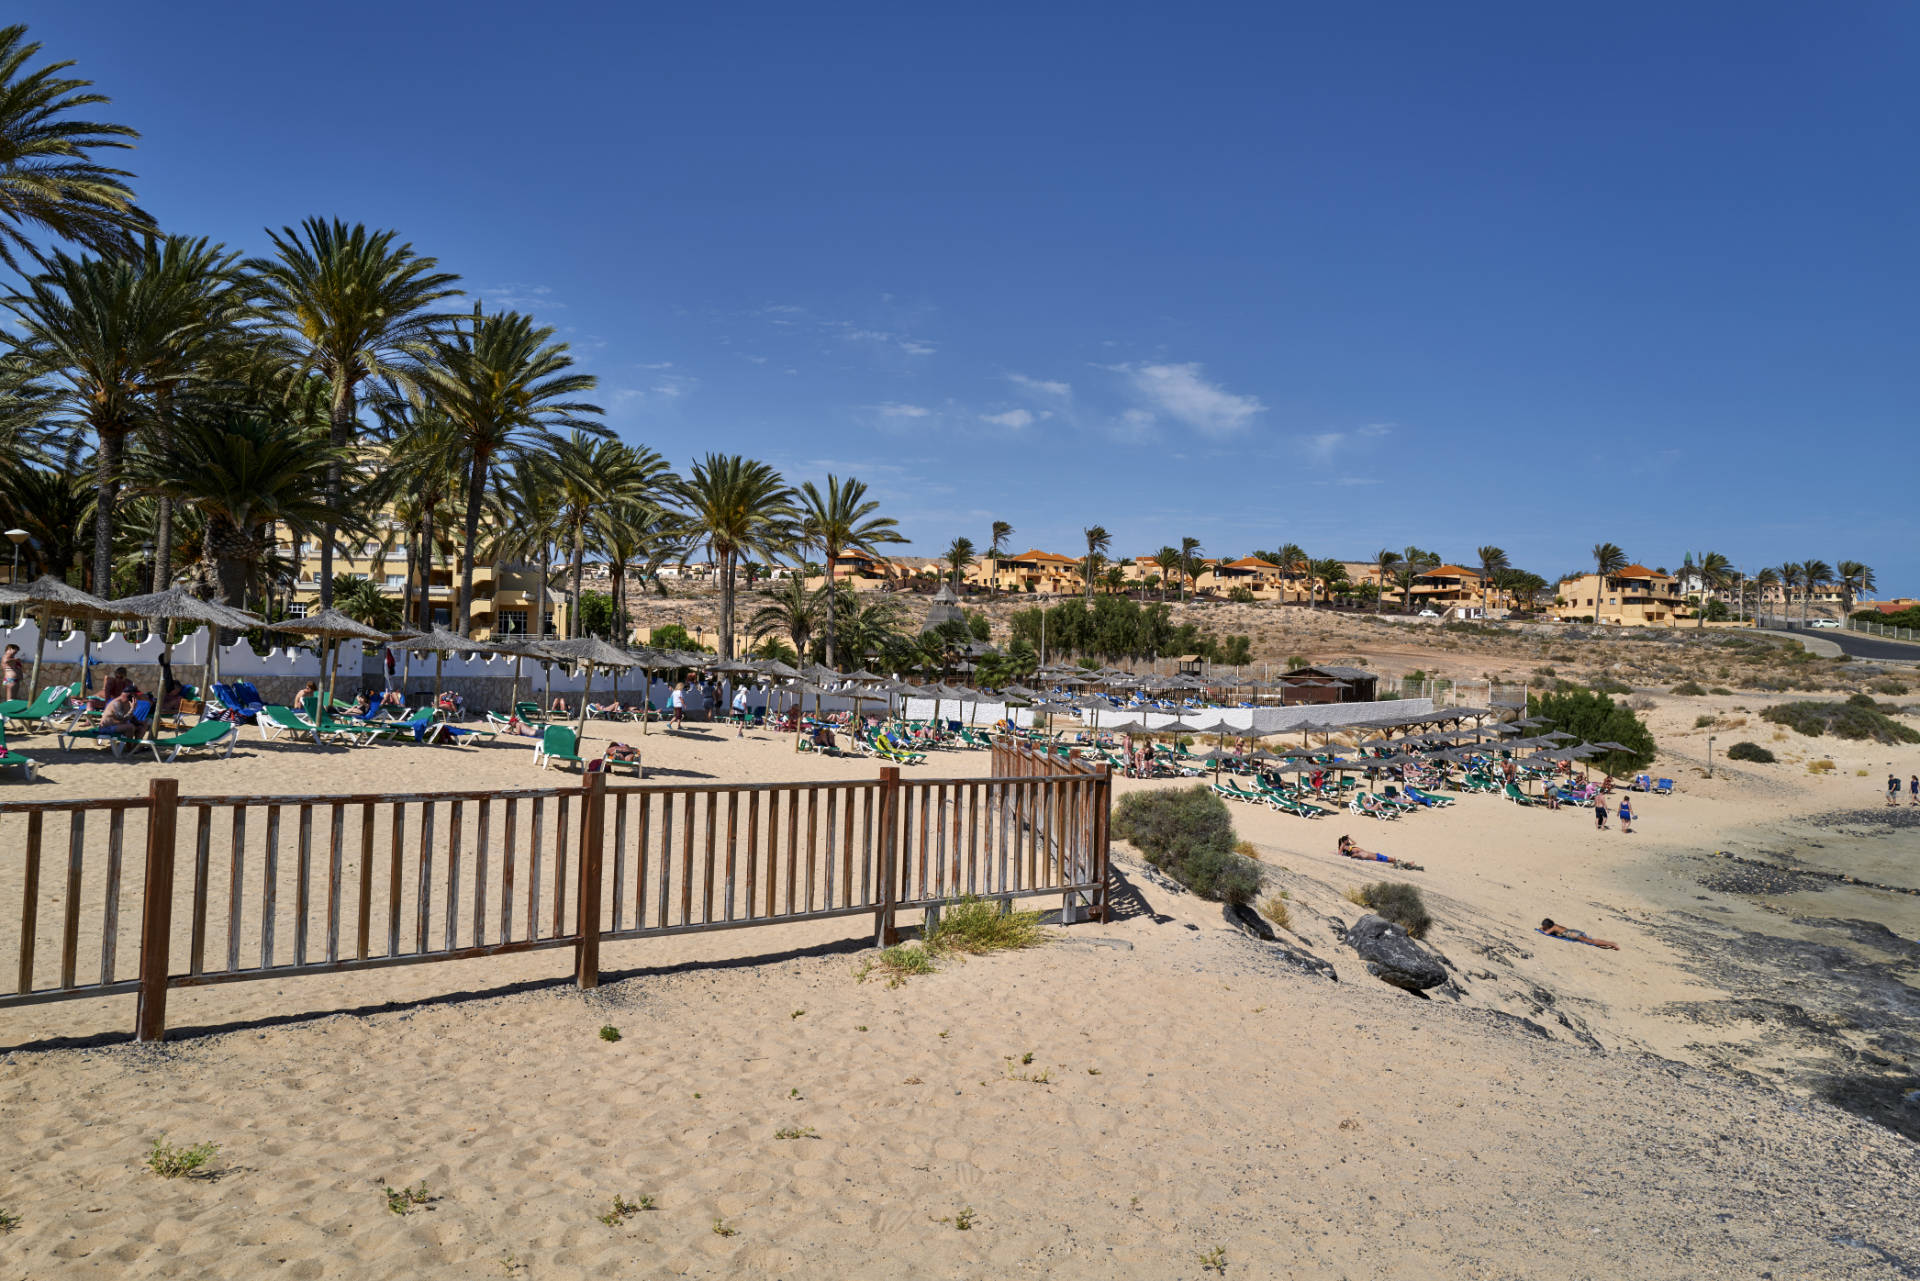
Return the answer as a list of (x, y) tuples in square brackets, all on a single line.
[(1595, 718), (1750, 752), (1704, 722), (1240, 595), (976, 926), (1609, 685), (1890, 687), (1400, 903), (1843, 720), (1689, 689), (1189, 835), (1862, 700)]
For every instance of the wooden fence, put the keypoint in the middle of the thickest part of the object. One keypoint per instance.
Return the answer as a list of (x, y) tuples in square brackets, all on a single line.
[(222, 889)]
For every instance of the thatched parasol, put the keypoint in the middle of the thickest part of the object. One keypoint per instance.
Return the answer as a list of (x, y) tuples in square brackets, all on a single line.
[(594, 652), (48, 596), (441, 642), (176, 604), (332, 626)]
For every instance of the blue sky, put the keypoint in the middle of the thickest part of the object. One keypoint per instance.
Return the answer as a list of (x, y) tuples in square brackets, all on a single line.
[(1347, 276)]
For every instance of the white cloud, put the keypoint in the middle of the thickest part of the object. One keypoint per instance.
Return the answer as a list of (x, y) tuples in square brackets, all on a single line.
[(518, 297), (1134, 425), (913, 348), (1012, 418), (758, 360), (1041, 385), (658, 364), (893, 409), (1320, 447), (1180, 392)]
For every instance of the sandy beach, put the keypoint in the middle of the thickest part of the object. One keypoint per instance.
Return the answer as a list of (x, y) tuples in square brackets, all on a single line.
[(1555, 1108)]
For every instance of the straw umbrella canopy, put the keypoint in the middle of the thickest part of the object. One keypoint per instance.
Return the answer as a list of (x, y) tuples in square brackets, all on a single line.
[(1559, 736), (48, 596), (594, 652), (176, 604), (519, 650), (442, 642), (331, 626)]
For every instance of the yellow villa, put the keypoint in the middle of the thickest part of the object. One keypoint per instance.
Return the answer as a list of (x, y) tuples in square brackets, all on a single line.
[(1632, 597)]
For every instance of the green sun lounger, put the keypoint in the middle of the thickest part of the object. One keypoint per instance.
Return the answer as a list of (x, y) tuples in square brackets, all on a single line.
[(207, 734), (1519, 797), (51, 701), (558, 743), (10, 757)]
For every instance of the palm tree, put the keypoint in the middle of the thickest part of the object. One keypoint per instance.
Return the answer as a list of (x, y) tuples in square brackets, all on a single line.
[(1713, 571), (422, 473), (1115, 580), (792, 611), (997, 544), (1414, 561), (1292, 560), (1326, 572), (1608, 560), (1189, 564), (351, 305), (1098, 541), (1855, 578), (48, 178), (51, 504), (1169, 560), (1813, 574), (529, 525), (736, 507), (117, 337), (244, 471), (958, 557), (362, 600), (506, 385), (1763, 582), (839, 520), (629, 534), (594, 477), (1492, 561), (1792, 574), (1385, 562)]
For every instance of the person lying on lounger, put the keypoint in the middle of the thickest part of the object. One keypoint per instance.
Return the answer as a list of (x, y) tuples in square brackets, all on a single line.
[(520, 728), (1348, 849), (1572, 935)]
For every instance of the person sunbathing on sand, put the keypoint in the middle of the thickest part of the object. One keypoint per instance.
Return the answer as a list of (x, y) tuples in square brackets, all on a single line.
[(1572, 935), (1348, 849)]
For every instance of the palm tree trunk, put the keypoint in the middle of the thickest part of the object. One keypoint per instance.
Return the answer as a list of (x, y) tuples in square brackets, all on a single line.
[(112, 446), (575, 624), (726, 606), (413, 559), (341, 434), (476, 491), (539, 627), (426, 571), (162, 543), (833, 600)]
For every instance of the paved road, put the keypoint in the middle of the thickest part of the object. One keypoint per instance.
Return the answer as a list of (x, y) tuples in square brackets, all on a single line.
[(1855, 644)]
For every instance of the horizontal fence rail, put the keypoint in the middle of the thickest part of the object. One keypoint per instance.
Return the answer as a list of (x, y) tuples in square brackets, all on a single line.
[(144, 895)]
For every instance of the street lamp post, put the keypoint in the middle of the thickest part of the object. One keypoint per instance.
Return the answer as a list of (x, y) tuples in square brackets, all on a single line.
[(16, 537)]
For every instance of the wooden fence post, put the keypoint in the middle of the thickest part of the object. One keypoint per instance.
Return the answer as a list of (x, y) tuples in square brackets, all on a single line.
[(884, 933), (593, 822), (1102, 812), (156, 911)]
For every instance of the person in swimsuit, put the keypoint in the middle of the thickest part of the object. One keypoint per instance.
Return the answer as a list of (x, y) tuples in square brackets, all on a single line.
[(1572, 935), (1348, 849), (12, 673), (1600, 815), (1626, 817)]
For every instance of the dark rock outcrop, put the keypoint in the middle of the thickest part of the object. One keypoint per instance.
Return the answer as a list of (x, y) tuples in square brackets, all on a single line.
[(1392, 957)]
